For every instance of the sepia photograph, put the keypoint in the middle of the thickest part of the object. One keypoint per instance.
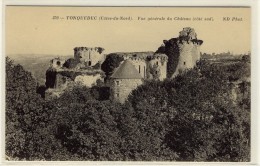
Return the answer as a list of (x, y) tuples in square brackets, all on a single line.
[(118, 83)]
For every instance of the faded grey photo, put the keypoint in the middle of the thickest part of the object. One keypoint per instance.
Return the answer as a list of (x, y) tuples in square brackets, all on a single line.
[(127, 84)]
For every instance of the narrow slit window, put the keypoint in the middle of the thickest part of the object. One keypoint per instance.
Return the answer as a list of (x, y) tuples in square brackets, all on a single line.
[(144, 71), (139, 69), (184, 63)]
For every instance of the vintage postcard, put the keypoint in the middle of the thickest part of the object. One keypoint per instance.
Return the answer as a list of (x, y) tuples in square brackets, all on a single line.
[(128, 83)]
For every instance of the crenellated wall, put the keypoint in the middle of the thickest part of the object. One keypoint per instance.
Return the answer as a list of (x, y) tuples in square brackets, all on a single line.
[(90, 56)]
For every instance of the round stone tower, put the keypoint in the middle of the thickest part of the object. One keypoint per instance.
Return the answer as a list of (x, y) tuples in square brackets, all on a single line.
[(189, 50), (125, 79)]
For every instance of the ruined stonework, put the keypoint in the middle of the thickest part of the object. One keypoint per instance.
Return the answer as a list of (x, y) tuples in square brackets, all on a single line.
[(124, 80), (183, 52), (149, 65), (89, 56), (132, 69), (57, 63), (83, 69), (125, 71), (121, 88)]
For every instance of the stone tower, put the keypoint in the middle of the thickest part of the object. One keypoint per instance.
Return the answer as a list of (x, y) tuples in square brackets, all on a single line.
[(148, 64), (90, 56), (183, 52), (125, 79), (189, 50)]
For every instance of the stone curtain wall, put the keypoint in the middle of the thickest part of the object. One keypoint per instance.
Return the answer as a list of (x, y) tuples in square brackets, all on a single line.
[(88, 80), (121, 88), (61, 81), (162, 67)]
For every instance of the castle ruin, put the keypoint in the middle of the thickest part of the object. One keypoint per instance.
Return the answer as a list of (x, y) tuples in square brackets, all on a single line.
[(133, 70), (183, 52), (172, 58), (83, 69)]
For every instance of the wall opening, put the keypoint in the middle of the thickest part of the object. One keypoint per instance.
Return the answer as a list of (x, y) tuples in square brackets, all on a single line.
[(144, 71), (184, 63), (117, 94), (117, 82), (139, 69), (58, 63), (89, 63)]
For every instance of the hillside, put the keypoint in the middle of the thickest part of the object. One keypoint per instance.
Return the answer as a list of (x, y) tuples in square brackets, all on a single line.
[(35, 63)]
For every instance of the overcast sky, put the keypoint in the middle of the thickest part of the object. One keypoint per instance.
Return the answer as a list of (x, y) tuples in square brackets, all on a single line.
[(31, 30)]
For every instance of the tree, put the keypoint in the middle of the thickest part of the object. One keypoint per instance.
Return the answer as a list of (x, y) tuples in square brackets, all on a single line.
[(200, 120), (111, 62), (22, 102), (89, 131)]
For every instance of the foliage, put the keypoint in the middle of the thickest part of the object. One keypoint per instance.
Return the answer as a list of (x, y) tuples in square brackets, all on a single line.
[(23, 112), (71, 63), (192, 117), (171, 49), (111, 62), (204, 123), (88, 131)]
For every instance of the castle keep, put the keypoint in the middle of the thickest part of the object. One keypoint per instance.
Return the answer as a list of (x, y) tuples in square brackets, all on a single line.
[(189, 50), (172, 58), (89, 56), (183, 52)]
